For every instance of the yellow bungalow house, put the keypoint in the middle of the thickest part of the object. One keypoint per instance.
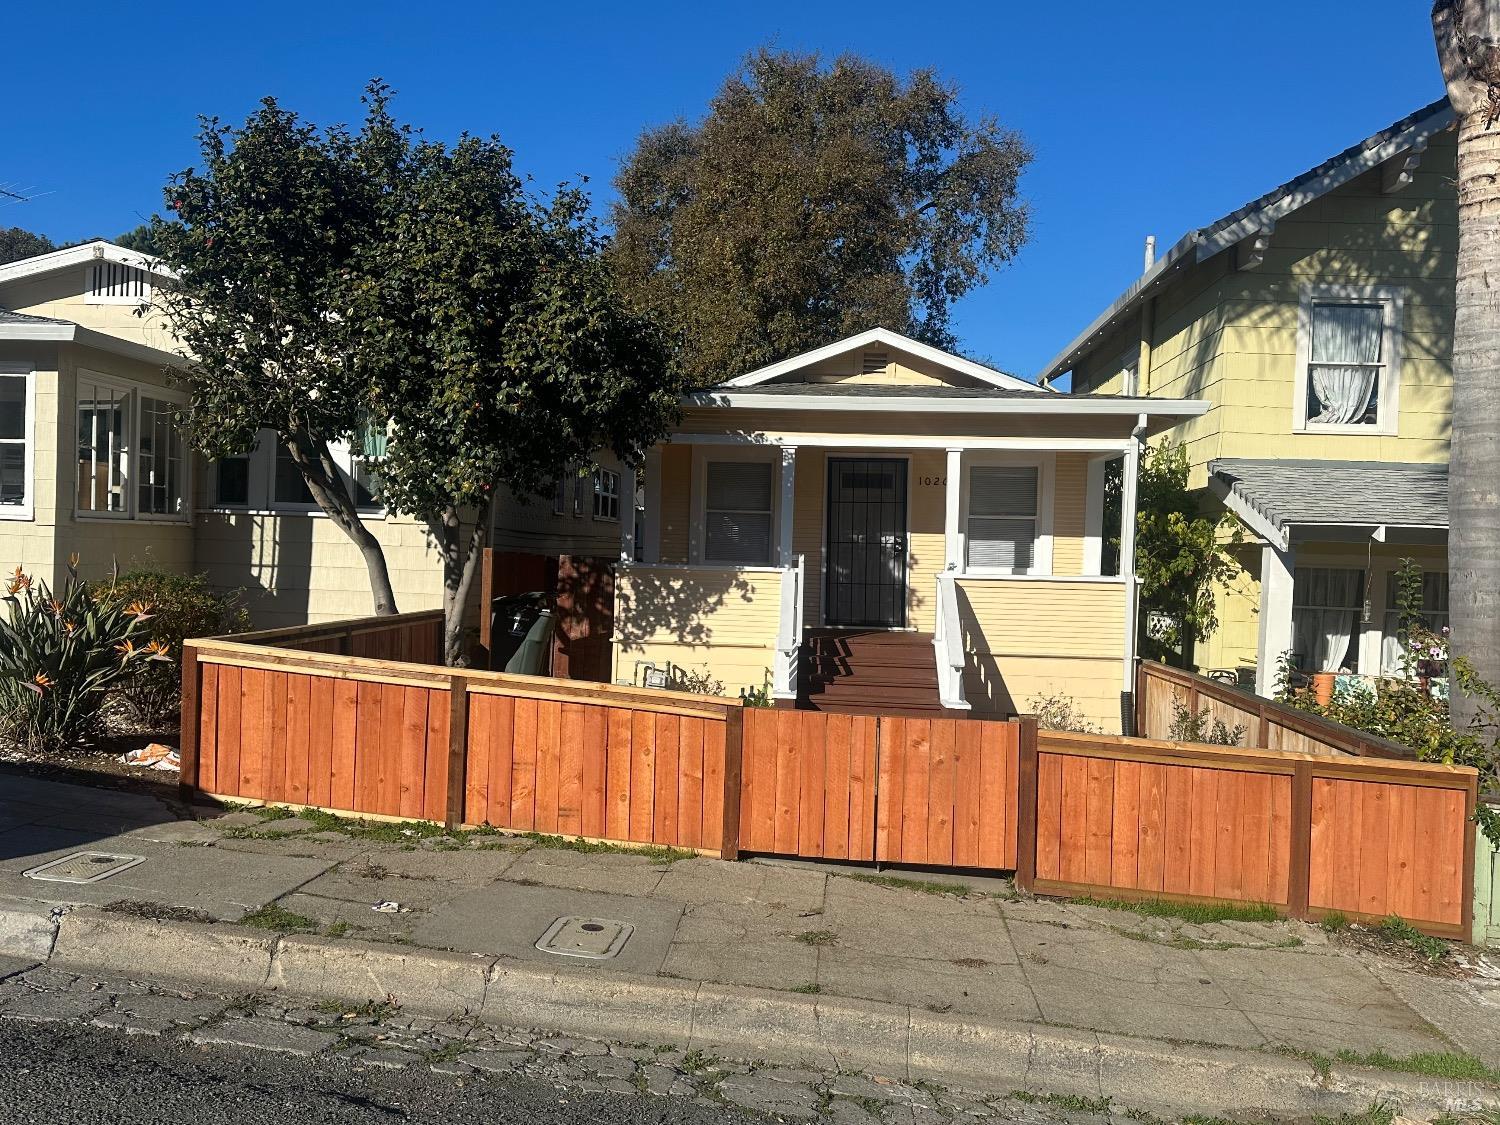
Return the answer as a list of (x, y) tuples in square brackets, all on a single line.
[(1318, 322), (880, 524)]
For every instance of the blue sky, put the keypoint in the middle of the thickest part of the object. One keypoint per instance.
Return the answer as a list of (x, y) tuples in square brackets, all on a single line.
[(1152, 118)]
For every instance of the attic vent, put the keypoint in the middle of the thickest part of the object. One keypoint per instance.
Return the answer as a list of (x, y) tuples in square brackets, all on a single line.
[(875, 363), (113, 282)]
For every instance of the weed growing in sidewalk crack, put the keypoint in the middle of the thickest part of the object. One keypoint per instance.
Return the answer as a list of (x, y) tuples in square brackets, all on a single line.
[(664, 856), (1334, 921), (1073, 1103), (808, 989), (1196, 913), (1398, 929), (817, 937), (1378, 1114), (278, 918), (1435, 1064)]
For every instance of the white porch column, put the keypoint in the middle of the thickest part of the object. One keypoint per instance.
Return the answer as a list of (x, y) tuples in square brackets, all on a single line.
[(1277, 573), (627, 515), (1128, 485), (788, 506), (651, 548), (952, 547)]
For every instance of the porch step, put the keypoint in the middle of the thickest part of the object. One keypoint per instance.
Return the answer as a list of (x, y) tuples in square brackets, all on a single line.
[(868, 671)]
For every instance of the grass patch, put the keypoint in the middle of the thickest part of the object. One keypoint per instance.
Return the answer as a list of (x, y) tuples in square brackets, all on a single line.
[(338, 929), (158, 911), (808, 989), (923, 886), (1073, 1103), (1434, 1064), (1398, 929), (658, 854), (1196, 913), (817, 937), (1335, 921), (1378, 1114), (273, 917)]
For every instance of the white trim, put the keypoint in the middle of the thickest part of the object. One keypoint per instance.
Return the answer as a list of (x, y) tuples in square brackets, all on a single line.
[(786, 515), (71, 256), (1085, 579), (707, 568), (889, 339), (176, 398), (1046, 467), (1129, 501), (911, 404), (25, 511), (771, 438), (1278, 568), (953, 542), (598, 477), (1391, 299)]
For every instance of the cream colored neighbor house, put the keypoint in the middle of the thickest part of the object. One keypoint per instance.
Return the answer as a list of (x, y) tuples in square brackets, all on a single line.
[(880, 524), (91, 463), (1318, 321)]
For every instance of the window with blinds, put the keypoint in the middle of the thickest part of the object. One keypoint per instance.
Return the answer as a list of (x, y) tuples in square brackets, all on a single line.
[(112, 283), (1002, 525), (737, 516)]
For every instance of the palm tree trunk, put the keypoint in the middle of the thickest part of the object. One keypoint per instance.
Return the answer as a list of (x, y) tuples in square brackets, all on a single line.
[(1474, 461)]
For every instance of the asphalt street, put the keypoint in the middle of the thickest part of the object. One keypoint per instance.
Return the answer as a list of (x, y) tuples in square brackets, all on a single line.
[(65, 1074)]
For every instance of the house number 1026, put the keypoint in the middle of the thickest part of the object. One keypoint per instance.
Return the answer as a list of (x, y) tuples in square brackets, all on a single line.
[(939, 481)]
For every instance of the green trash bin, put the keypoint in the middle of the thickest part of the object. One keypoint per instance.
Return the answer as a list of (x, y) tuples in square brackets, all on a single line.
[(521, 634)]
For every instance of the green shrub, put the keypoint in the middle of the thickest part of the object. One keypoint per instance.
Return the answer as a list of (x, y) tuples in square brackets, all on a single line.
[(60, 656), (182, 607), (1201, 726), (1060, 711)]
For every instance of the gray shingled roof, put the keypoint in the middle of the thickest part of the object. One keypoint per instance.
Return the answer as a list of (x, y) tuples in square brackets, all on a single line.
[(8, 317), (1338, 492)]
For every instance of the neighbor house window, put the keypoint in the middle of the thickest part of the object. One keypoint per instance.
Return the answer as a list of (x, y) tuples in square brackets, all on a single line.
[(1002, 523), (162, 460), (737, 513), (15, 446), (267, 479), (111, 283), (1327, 605), (559, 496), (290, 485), (103, 415), (1348, 356), (232, 482), (1434, 613), (606, 495)]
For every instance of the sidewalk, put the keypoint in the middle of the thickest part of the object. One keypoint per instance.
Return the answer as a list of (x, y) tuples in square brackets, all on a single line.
[(972, 949)]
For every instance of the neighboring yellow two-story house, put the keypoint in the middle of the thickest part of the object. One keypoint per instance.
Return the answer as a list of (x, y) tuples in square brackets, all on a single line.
[(1318, 321)]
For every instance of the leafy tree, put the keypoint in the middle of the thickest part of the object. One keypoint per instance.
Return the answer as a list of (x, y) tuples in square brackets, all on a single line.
[(813, 202), (139, 238), (498, 346), (265, 239), (1181, 552), (16, 243), (1467, 34)]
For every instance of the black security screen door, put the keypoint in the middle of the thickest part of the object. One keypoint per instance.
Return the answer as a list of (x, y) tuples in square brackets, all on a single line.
[(866, 542)]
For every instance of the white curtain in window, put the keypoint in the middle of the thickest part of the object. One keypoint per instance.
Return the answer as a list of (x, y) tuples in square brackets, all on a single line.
[(1345, 350), (1326, 616)]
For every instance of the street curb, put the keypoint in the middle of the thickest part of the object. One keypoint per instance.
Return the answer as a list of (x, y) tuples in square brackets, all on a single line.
[(989, 1056)]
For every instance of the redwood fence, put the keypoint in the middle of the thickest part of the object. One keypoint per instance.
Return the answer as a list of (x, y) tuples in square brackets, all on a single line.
[(1071, 814)]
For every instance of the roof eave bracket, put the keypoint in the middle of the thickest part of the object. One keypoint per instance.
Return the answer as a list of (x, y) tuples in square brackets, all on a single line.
[(1397, 172), (1250, 251)]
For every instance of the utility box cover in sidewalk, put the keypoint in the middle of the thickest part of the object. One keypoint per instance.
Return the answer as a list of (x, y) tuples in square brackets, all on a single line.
[(84, 867), (596, 939)]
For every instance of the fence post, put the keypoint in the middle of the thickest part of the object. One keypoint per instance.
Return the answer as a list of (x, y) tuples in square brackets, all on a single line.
[(734, 769), (1026, 785), (192, 703), (1300, 872), (1142, 682), (458, 749)]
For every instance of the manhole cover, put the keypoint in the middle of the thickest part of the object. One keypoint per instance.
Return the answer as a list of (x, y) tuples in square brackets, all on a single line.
[(84, 867), (597, 939)]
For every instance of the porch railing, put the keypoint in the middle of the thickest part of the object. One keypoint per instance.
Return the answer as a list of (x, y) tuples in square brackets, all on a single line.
[(789, 632), (948, 645)]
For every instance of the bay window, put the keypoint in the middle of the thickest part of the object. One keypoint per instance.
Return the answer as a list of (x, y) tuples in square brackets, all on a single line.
[(132, 459)]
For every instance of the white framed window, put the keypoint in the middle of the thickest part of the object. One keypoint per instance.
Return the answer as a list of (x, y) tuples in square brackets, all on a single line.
[(131, 456), (111, 283), (267, 479), (738, 511), (1007, 529), (1434, 613), (606, 494), (1327, 609), (1348, 378), (17, 448)]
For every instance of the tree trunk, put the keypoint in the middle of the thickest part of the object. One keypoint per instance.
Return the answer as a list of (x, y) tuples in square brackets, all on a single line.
[(462, 553), (1469, 55), (314, 460)]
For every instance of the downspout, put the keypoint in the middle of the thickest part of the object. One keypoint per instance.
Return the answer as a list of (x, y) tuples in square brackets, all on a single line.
[(1130, 488)]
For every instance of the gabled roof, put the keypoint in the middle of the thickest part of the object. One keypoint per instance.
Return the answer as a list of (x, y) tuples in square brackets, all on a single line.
[(887, 338), (1259, 216), (24, 326), (1275, 496), (96, 251)]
